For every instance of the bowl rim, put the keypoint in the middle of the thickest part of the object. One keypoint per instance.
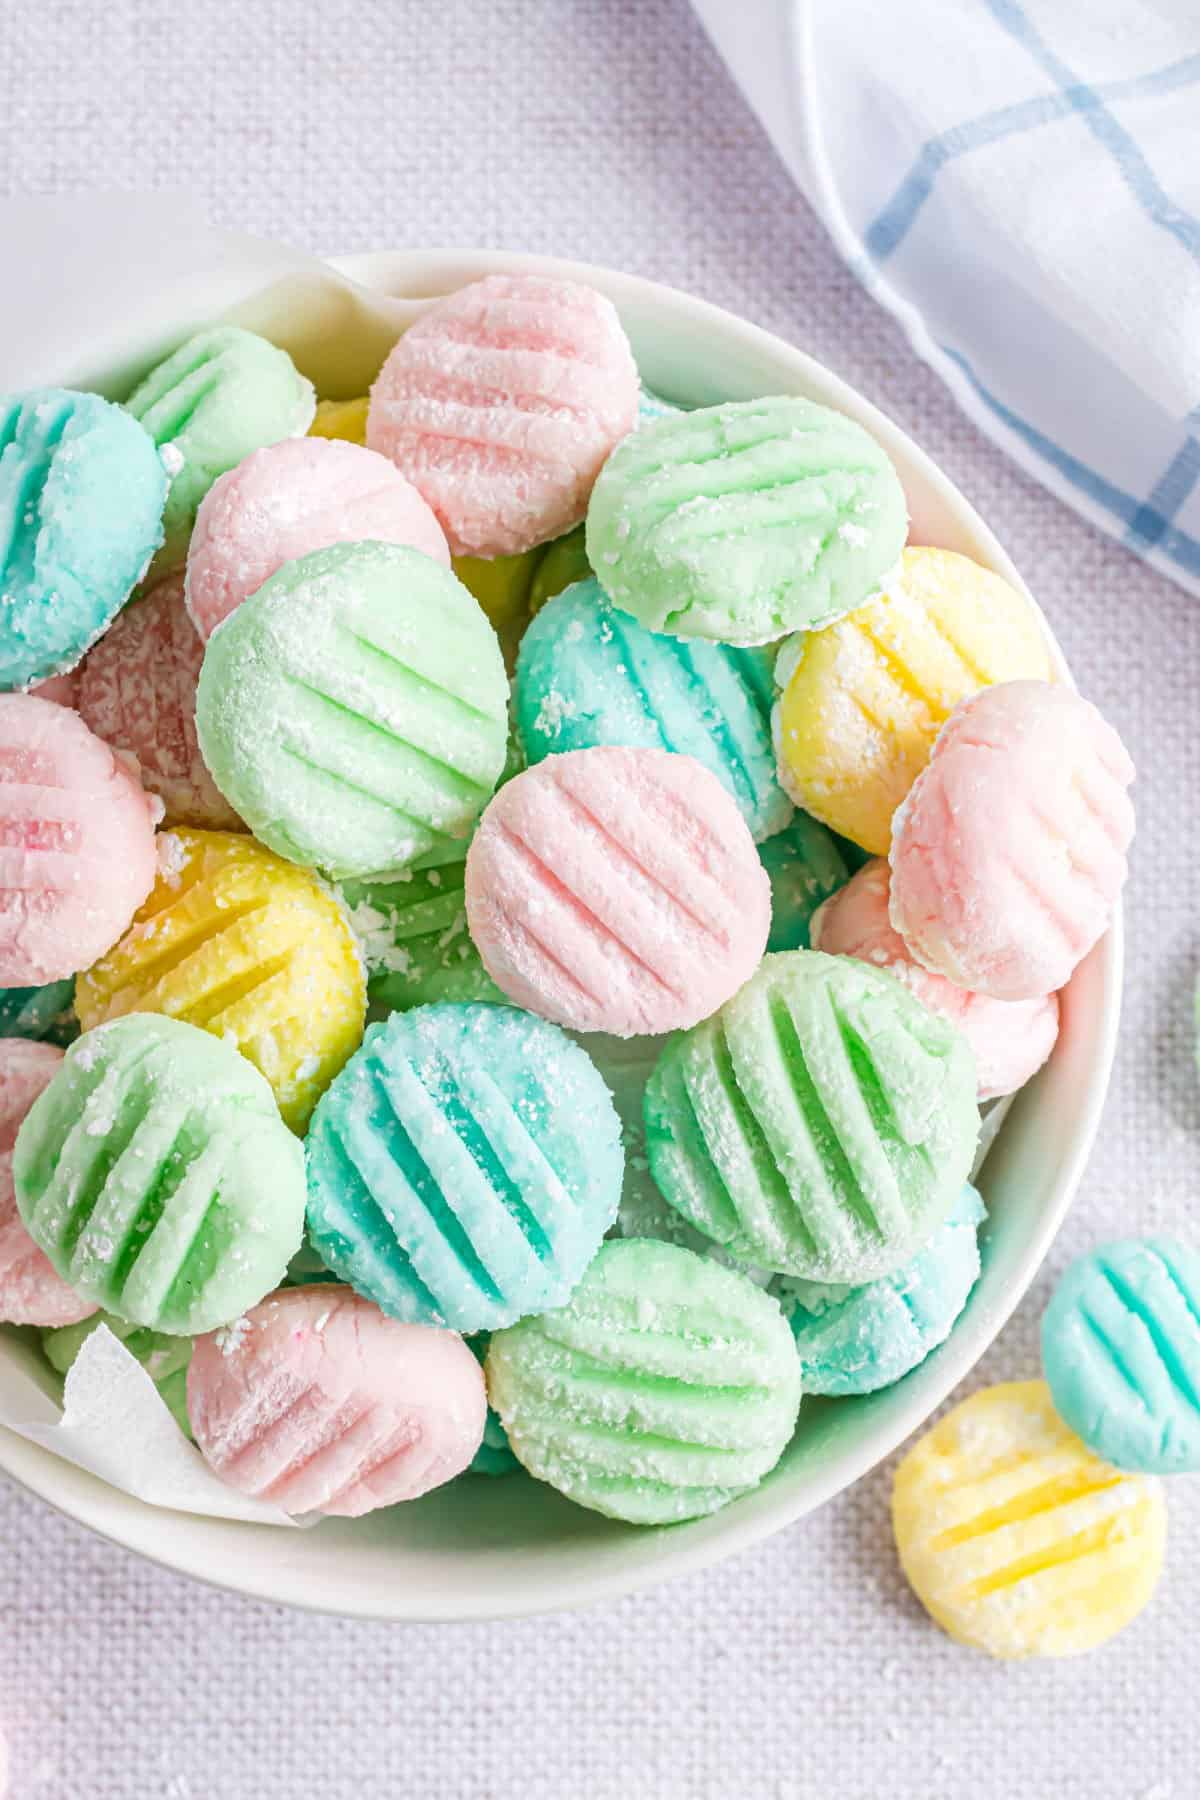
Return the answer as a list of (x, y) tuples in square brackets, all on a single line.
[(676, 1551)]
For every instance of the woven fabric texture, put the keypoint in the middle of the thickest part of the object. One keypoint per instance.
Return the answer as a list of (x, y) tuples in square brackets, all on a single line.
[(608, 129)]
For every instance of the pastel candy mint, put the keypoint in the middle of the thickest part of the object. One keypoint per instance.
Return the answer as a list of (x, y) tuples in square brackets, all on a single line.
[(77, 855), (501, 403), (863, 699), (413, 931), (590, 675), (137, 692), (354, 709), (1010, 851), (745, 521), (1015, 1538), (249, 948), (286, 500), (858, 1340), (82, 491), (345, 419), (319, 1403), (821, 1124), (1010, 1039), (157, 1176), (1121, 1352), (223, 393), (464, 1166), (617, 889), (502, 585), (666, 1388)]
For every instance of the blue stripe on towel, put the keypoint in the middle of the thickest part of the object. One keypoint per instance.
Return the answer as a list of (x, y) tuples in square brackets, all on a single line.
[(892, 224), (1152, 525), (1151, 521), (1140, 178)]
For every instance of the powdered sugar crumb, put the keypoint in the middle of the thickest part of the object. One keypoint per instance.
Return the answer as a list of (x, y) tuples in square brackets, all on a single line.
[(230, 1338)]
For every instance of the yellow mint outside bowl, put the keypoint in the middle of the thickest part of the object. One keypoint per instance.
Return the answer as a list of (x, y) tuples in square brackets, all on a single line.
[(249, 947), (1015, 1537)]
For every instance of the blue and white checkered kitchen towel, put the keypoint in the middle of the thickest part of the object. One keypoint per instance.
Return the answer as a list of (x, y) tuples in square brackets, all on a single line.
[(1019, 182)]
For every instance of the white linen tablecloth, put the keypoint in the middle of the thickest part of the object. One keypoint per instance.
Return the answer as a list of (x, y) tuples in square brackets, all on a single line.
[(608, 129)]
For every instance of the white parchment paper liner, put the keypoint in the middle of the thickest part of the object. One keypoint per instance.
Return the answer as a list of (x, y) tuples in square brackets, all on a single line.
[(113, 1423)]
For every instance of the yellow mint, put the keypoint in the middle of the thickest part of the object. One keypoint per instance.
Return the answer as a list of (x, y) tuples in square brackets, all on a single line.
[(1015, 1537), (501, 585), (341, 419), (864, 699), (248, 947)]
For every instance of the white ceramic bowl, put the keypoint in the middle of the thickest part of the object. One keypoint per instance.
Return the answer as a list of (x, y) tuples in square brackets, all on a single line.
[(494, 1548)]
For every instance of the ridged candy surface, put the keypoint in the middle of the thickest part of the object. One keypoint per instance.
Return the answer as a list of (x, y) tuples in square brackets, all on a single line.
[(805, 864), (1009, 854), (864, 699), (745, 521), (590, 675), (1121, 1352), (414, 937), (501, 403), (248, 947), (666, 1388), (464, 1167), (76, 843), (354, 709), (1010, 1039), (157, 1175), (137, 691), (31, 1293), (564, 562), (821, 1124), (222, 394), (859, 1340), (1015, 1538), (81, 499), (287, 499), (319, 1403), (617, 890), (165, 1359)]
